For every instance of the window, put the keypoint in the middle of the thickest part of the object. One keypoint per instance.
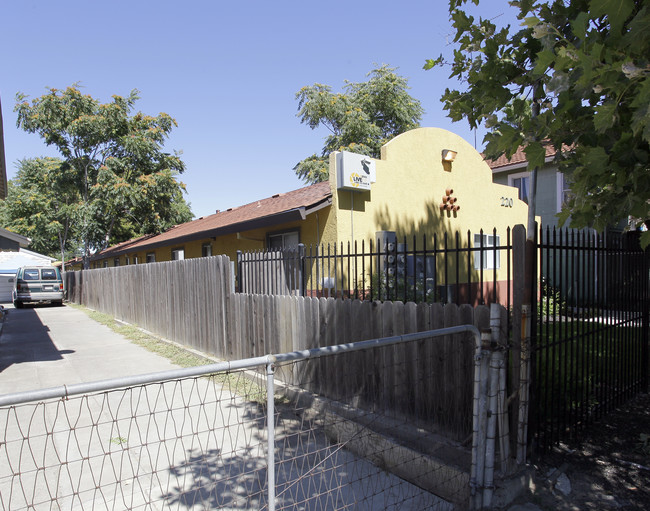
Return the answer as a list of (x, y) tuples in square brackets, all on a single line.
[(206, 250), (105, 263), (283, 240), (135, 259), (30, 275), (151, 257), (486, 258), (178, 254), (126, 260), (48, 274), (522, 183), (563, 191), (116, 261)]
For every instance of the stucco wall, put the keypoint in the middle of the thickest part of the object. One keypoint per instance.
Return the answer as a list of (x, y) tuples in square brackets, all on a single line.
[(315, 229), (411, 181)]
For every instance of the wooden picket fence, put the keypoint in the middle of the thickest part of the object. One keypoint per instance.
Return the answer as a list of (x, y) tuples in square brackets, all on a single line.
[(192, 302)]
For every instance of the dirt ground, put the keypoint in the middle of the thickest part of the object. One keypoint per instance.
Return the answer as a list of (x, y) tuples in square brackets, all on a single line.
[(609, 469)]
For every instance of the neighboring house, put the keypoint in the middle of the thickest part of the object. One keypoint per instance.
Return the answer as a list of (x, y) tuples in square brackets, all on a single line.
[(552, 187), (13, 255), (428, 181), (560, 268), (12, 242)]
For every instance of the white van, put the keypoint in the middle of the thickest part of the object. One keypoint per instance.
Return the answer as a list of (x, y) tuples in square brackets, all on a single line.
[(38, 284)]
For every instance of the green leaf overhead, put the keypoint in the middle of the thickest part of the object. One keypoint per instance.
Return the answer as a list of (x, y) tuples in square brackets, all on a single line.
[(586, 66)]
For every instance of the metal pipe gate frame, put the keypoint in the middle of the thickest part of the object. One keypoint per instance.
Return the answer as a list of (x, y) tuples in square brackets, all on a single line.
[(483, 448)]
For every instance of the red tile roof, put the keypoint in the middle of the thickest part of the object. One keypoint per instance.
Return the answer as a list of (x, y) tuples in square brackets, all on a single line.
[(279, 208), (518, 157)]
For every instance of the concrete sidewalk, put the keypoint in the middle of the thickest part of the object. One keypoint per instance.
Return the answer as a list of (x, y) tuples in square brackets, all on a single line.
[(45, 347), (189, 444)]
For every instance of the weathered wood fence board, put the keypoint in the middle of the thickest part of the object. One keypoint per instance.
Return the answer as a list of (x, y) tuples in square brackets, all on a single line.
[(190, 302)]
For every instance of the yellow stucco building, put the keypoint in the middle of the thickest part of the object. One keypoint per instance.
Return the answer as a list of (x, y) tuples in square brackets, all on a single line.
[(412, 181), (428, 182)]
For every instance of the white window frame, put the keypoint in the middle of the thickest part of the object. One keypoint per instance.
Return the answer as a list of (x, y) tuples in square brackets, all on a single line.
[(206, 250), (283, 235), (562, 188), (486, 256), (151, 257), (519, 175), (178, 254)]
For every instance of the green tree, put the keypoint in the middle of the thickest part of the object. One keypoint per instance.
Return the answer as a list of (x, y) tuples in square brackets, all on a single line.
[(361, 119), (575, 75), (43, 204), (125, 180)]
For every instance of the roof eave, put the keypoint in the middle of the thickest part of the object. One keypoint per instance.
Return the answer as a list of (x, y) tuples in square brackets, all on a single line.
[(521, 165), (292, 215)]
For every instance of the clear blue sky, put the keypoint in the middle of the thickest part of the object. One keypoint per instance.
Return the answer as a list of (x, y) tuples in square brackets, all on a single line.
[(226, 71)]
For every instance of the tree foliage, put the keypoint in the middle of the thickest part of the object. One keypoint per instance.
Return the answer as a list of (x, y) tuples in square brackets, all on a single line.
[(125, 181), (575, 75), (43, 204), (361, 119)]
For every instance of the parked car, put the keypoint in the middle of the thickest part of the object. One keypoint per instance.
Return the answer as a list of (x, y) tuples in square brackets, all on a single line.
[(38, 284)]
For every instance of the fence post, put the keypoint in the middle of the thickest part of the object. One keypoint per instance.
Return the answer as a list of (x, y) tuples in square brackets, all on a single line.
[(301, 269), (479, 433), (645, 321), (270, 426), (239, 287), (520, 369)]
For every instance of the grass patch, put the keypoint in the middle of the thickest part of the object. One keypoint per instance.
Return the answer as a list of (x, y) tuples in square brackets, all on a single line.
[(174, 354), (235, 382), (582, 365)]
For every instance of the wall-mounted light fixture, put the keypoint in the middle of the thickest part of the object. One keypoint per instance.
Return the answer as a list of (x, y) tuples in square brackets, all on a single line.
[(448, 155)]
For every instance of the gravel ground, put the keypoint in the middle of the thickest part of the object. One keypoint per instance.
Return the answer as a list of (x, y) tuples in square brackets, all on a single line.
[(609, 469)]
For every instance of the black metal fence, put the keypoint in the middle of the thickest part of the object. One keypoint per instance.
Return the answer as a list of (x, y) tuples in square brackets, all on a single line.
[(590, 344), (590, 347), (474, 268)]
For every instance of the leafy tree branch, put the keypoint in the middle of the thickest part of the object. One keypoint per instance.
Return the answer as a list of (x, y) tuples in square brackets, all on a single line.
[(574, 75), (114, 160), (361, 119)]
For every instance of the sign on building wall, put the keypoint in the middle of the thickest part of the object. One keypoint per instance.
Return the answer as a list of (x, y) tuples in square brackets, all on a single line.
[(354, 171)]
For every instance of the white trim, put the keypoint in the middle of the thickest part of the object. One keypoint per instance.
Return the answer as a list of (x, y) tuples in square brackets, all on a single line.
[(18, 238), (36, 254), (519, 165), (178, 254), (519, 175), (512, 177), (486, 258), (559, 190)]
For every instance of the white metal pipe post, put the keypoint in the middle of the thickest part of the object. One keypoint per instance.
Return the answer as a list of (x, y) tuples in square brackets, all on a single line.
[(270, 407), (479, 423)]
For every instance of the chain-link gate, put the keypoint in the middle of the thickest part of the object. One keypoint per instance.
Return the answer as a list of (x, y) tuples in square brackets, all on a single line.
[(202, 438)]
